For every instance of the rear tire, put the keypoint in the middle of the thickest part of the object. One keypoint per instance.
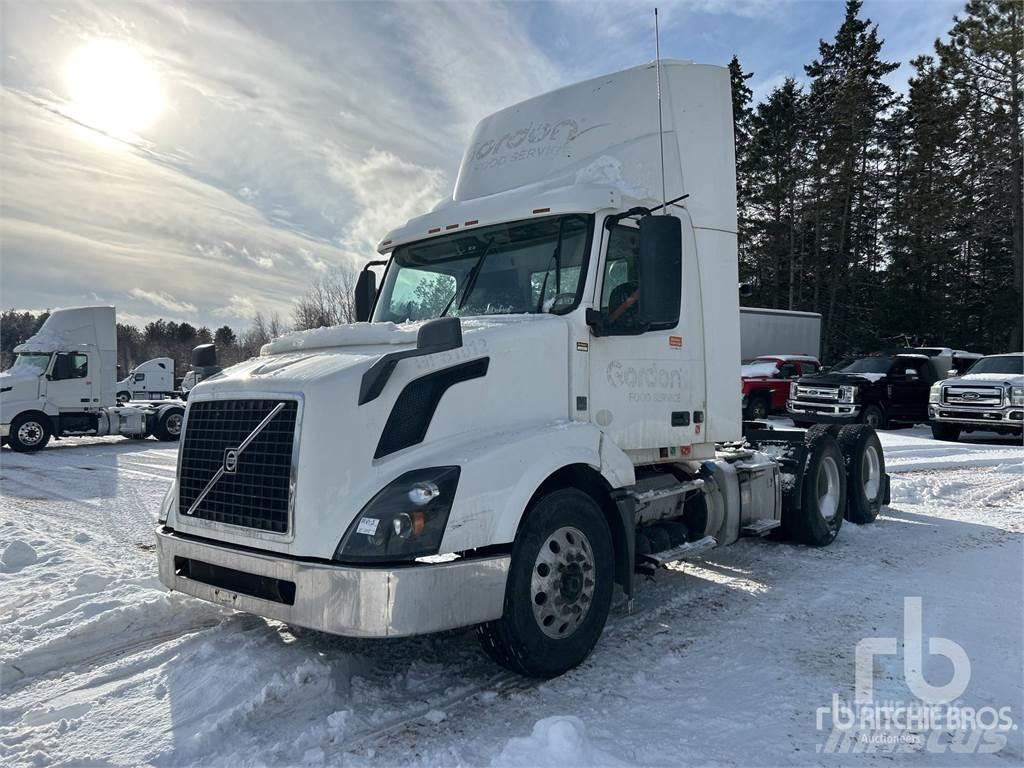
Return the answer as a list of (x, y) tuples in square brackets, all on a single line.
[(29, 432), (124, 396), (757, 408), (865, 472), (559, 588), (802, 424), (874, 416), (823, 497), (948, 432), (168, 425)]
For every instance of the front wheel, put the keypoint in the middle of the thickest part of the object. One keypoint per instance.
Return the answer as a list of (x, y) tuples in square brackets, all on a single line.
[(29, 432), (559, 588), (124, 396), (947, 432), (873, 416), (168, 424), (757, 409)]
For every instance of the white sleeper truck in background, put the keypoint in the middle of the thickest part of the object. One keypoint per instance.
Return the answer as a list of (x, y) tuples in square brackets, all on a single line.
[(153, 379), (63, 384), (546, 399)]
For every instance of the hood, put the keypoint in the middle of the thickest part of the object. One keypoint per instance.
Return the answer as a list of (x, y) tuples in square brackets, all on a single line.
[(16, 389), (341, 460), (842, 379), (1008, 379)]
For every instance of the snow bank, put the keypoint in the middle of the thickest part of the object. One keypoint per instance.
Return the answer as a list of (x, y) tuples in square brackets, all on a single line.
[(17, 555), (556, 742)]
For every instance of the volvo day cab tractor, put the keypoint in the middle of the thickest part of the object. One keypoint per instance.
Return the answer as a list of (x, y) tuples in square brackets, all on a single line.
[(62, 384), (545, 398)]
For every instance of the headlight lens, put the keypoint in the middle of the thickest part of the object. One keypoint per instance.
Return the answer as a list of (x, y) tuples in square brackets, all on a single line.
[(847, 394), (1017, 396), (792, 390), (933, 393), (404, 521)]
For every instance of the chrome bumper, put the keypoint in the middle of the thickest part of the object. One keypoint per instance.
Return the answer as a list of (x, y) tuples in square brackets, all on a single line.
[(822, 409), (344, 600), (1006, 416)]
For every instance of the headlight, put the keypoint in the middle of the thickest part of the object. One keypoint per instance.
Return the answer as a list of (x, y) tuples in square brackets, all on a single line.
[(404, 521), (933, 393), (847, 394), (792, 390), (1017, 396)]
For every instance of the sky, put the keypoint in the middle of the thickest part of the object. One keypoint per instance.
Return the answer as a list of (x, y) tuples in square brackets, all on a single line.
[(205, 161)]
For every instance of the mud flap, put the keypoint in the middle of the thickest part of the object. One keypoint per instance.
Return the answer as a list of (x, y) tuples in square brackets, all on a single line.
[(625, 557)]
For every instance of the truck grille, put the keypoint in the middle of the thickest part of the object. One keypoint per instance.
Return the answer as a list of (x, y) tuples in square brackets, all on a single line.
[(980, 396), (257, 493), (820, 394)]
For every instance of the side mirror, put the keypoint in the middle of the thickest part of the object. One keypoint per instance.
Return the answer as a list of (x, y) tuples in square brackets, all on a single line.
[(660, 270), (366, 291)]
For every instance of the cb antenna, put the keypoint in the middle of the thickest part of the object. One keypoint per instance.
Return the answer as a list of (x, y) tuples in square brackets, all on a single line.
[(661, 129)]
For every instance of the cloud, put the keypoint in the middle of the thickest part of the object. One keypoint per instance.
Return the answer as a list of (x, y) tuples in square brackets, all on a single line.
[(163, 300), (238, 308)]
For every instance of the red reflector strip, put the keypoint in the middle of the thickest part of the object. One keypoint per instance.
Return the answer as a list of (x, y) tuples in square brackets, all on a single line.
[(452, 226), (433, 231), (542, 210), (471, 223)]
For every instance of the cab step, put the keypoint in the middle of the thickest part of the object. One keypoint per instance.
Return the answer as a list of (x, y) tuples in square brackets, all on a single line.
[(682, 552), (760, 527)]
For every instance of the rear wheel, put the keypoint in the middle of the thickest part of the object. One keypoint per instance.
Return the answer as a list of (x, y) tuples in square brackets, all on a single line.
[(168, 424), (29, 432), (948, 432), (559, 588), (823, 498), (865, 472), (757, 408), (874, 416), (124, 396)]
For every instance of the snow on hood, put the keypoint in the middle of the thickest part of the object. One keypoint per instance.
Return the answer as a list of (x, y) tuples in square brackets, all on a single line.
[(1007, 377), (374, 334), (872, 377), (751, 370), (45, 341)]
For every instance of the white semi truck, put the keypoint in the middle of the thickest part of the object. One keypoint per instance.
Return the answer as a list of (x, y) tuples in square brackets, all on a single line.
[(546, 398), (151, 380), (63, 384)]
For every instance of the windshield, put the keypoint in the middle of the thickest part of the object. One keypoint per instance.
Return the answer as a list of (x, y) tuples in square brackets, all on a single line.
[(31, 363), (865, 365), (523, 266), (1011, 364)]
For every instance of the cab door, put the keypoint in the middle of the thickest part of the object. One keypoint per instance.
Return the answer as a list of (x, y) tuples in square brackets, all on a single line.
[(909, 382), (780, 385), (646, 383), (69, 382)]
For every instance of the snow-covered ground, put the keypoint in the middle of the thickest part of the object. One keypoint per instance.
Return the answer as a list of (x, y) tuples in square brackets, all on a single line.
[(722, 661)]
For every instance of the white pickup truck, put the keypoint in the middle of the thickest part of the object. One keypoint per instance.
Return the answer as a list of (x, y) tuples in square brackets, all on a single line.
[(62, 384), (545, 398)]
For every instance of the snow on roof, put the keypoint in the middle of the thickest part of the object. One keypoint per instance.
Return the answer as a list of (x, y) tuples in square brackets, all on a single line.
[(789, 358), (759, 369)]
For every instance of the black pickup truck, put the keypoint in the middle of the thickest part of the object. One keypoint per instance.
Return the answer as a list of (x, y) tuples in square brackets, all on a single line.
[(883, 390)]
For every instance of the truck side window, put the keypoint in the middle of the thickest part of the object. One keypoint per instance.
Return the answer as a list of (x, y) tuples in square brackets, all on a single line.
[(787, 371), (70, 365), (619, 289), (140, 377)]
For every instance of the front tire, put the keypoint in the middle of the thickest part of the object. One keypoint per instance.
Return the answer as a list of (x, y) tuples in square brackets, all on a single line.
[(757, 408), (865, 472), (559, 588), (874, 416), (124, 397), (29, 432), (946, 432)]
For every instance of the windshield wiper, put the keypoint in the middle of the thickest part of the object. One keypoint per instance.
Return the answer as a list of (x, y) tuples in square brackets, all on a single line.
[(470, 280)]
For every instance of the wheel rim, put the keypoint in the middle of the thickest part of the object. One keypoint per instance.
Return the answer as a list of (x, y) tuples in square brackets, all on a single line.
[(30, 433), (871, 472), (173, 424), (759, 410), (562, 584), (828, 488)]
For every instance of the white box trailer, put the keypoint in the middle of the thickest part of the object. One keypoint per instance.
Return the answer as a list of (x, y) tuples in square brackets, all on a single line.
[(765, 331), (63, 384), (546, 398)]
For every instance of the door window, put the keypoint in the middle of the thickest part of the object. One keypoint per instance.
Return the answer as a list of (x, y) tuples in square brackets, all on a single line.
[(787, 371), (140, 377), (620, 288), (70, 365)]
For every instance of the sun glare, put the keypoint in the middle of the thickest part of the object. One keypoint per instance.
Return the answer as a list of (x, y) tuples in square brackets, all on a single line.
[(113, 88)]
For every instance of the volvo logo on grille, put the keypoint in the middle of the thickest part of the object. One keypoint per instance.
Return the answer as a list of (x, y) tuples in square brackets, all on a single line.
[(231, 461)]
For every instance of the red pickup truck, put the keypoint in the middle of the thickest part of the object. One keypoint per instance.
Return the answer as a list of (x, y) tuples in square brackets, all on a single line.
[(766, 382)]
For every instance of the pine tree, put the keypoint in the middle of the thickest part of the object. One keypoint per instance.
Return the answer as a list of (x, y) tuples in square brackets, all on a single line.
[(742, 95)]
